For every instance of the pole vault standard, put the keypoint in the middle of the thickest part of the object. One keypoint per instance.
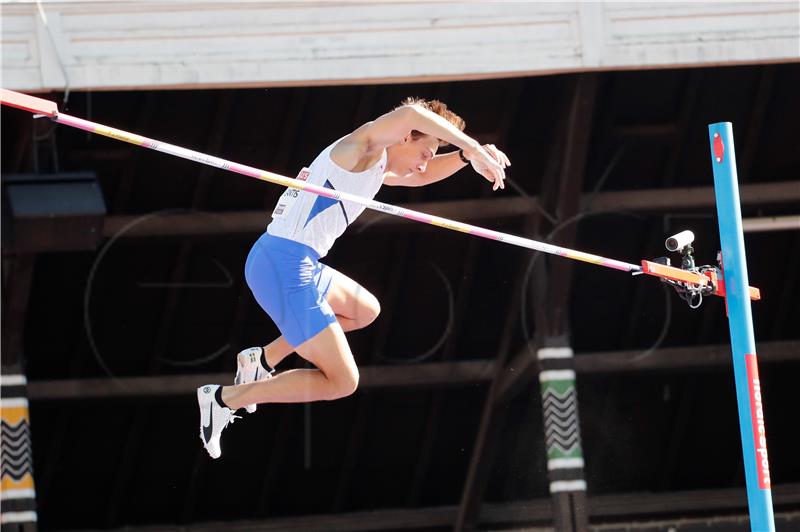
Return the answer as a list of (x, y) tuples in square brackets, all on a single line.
[(740, 321)]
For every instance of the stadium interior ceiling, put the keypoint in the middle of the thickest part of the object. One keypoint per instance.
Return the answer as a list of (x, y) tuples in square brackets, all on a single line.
[(448, 419)]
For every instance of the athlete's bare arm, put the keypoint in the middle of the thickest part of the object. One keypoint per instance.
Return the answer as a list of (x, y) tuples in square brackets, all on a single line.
[(363, 147), (441, 167)]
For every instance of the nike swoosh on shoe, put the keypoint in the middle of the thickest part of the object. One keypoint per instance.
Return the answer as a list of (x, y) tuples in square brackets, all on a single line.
[(209, 430)]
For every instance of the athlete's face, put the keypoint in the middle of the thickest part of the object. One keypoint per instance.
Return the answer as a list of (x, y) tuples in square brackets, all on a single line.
[(411, 155)]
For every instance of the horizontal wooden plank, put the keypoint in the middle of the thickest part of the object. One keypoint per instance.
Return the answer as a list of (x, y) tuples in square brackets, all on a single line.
[(425, 375), (668, 358), (144, 45), (617, 507), (783, 192), (523, 367), (478, 211)]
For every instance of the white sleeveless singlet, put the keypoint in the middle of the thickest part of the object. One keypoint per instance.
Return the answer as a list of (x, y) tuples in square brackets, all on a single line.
[(317, 221)]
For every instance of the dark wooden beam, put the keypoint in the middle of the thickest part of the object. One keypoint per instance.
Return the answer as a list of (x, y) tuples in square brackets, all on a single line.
[(434, 374), (562, 198), (618, 507), (492, 418), (428, 375), (519, 371), (666, 358), (632, 504), (252, 222), (683, 358), (686, 198), (472, 211)]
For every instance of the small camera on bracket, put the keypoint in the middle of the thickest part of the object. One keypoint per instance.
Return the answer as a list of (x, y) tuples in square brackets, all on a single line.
[(682, 243), (679, 241)]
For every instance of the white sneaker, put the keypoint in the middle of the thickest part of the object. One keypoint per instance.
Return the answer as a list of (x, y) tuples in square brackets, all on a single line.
[(213, 419), (249, 369)]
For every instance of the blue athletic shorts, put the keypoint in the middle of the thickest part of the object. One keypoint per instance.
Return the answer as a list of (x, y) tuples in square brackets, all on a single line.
[(290, 284)]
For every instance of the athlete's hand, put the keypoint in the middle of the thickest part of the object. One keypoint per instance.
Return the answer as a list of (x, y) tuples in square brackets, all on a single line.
[(489, 162)]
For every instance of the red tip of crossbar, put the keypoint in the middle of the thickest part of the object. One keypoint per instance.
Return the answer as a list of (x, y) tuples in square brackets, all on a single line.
[(28, 103), (674, 274), (692, 278)]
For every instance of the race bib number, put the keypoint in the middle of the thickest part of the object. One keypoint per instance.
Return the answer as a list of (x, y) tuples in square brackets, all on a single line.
[(289, 197)]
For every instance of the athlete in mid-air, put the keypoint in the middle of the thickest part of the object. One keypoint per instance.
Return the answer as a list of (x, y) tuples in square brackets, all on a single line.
[(312, 304)]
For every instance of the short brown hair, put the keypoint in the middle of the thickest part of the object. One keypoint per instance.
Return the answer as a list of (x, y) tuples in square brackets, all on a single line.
[(435, 106)]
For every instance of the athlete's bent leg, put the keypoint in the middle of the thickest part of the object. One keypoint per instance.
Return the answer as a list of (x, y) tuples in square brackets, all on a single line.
[(336, 375), (279, 348), (355, 308), (352, 302)]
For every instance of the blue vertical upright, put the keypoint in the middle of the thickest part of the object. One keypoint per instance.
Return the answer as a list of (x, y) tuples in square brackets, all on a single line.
[(740, 321)]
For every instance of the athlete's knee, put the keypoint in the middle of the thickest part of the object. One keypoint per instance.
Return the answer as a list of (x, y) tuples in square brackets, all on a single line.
[(346, 384), (369, 310)]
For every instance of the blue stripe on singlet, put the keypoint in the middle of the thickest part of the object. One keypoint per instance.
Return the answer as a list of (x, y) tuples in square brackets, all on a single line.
[(322, 203)]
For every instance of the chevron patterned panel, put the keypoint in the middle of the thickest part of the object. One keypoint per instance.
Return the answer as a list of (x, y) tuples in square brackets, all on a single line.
[(17, 493)]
